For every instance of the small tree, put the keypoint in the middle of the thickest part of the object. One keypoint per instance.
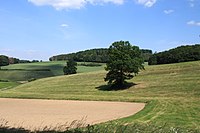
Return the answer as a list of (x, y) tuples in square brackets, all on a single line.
[(125, 61), (4, 60), (70, 68)]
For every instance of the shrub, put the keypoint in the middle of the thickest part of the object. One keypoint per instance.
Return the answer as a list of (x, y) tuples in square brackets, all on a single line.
[(32, 79)]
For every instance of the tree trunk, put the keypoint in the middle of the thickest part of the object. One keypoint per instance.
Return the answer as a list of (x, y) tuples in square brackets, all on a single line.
[(121, 80)]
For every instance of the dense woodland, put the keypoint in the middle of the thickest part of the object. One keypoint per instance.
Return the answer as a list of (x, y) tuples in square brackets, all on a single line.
[(176, 55), (94, 55), (5, 60)]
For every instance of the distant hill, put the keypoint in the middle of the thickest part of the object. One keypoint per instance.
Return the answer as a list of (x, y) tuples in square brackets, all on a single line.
[(94, 55), (176, 55)]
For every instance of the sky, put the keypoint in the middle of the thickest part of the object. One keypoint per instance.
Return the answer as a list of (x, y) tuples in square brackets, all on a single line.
[(39, 29)]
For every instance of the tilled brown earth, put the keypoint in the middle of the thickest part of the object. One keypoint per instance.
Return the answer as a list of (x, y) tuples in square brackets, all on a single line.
[(36, 114)]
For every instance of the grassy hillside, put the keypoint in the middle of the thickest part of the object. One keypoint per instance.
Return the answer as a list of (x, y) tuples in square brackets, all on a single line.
[(7, 85), (55, 67), (23, 75), (172, 92), (22, 72)]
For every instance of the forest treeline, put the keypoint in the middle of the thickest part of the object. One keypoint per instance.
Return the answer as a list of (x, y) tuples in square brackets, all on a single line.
[(94, 55), (5, 60), (176, 55)]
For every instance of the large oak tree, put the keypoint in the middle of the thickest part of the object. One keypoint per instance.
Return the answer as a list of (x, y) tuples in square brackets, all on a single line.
[(125, 61)]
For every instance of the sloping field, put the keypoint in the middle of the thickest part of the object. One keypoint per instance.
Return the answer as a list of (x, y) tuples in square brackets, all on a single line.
[(36, 114), (7, 85), (24, 75), (27, 71), (172, 93), (55, 67)]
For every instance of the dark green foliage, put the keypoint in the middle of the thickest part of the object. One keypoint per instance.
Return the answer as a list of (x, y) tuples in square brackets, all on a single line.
[(27, 61), (13, 60), (125, 61), (4, 60), (33, 61), (16, 61), (24, 61), (31, 79), (10, 60), (4, 80), (146, 54), (176, 55), (70, 68), (13, 130), (94, 55), (153, 60)]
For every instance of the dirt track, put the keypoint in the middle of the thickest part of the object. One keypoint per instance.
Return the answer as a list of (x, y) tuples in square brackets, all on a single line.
[(35, 114)]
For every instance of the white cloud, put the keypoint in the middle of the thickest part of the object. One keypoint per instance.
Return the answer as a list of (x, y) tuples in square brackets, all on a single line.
[(7, 50), (72, 4), (191, 22), (146, 3), (168, 11), (64, 25), (194, 23), (192, 3), (60, 4), (119, 2)]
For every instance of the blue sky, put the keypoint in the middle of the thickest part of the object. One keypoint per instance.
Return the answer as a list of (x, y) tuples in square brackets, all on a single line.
[(38, 29)]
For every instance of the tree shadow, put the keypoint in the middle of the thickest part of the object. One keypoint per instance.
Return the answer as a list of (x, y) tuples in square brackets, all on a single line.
[(114, 87)]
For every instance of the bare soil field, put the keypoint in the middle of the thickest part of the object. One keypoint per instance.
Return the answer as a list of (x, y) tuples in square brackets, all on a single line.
[(36, 114)]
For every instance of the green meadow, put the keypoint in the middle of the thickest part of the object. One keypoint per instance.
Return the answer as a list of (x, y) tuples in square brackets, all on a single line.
[(171, 92), (7, 85), (27, 71)]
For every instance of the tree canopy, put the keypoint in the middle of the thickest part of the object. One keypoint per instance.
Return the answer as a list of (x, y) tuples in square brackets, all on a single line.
[(179, 54), (70, 67), (125, 62), (4, 60), (94, 55)]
